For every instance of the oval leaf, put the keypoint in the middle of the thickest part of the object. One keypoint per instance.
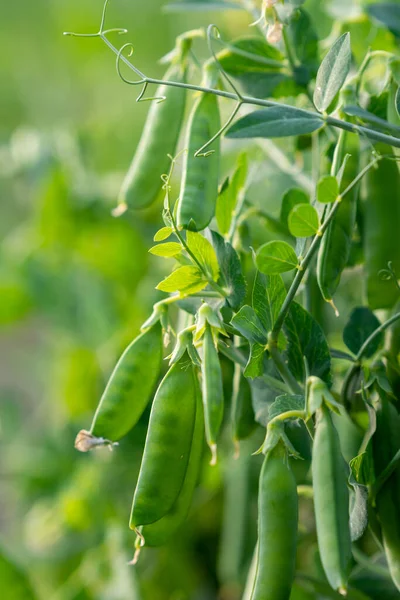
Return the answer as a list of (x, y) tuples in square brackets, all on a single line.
[(276, 257), (327, 189), (162, 234), (303, 220), (332, 72), (290, 199), (278, 121), (166, 250), (361, 324), (185, 280)]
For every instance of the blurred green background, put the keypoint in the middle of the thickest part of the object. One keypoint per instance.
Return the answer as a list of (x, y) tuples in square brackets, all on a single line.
[(75, 286)]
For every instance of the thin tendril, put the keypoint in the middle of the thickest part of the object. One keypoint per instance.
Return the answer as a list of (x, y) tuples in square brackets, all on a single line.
[(200, 151), (210, 29), (118, 66)]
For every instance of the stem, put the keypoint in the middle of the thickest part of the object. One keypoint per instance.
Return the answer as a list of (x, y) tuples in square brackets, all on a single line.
[(283, 369), (289, 50), (373, 335), (289, 414)]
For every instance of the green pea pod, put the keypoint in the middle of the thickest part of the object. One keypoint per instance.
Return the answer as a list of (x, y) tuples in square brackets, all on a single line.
[(161, 531), (331, 502), (386, 442), (277, 528), (159, 138), (242, 413), (127, 392), (167, 447), (213, 394), (199, 186), (335, 247), (381, 207)]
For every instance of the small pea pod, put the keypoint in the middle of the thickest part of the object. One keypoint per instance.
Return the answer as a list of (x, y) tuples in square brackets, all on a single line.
[(127, 392), (199, 186), (277, 528), (331, 502), (167, 447), (386, 442), (335, 247), (161, 531), (381, 210), (159, 138), (213, 395), (242, 413)]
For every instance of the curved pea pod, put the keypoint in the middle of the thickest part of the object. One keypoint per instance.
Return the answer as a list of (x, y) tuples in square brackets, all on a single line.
[(381, 210), (167, 447), (161, 531), (334, 250), (331, 502), (213, 395), (386, 442), (127, 392), (277, 528), (160, 137), (242, 413), (200, 175)]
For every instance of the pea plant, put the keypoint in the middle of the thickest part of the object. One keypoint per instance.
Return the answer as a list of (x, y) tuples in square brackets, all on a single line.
[(249, 307)]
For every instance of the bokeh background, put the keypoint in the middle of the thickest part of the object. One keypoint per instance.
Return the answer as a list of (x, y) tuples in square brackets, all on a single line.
[(75, 285)]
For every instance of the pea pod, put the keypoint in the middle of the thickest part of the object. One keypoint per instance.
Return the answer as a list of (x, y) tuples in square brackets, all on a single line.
[(331, 502), (277, 528), (199, 186), (381, 208), (167, 447), (386, 442), (127, 392), (335, 247), (242, 413), (159, 138), (161, 531), (213, 395)]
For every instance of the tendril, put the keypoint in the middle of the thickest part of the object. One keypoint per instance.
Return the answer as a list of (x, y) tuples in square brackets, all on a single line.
[(389, 274), (200, 151), (210, 37), (120, 57)]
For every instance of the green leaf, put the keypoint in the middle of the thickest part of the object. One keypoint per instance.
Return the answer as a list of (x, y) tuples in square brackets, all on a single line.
[(263, 394), (231, 194), (278, 121), (284, 403), (332, 72), (306, 339), (269, 294), (204, 252), (362, 468), (303, 220), (163, 234), (185, 280), (290, 199), (327, 189), (187, 5), (14, 582), (166, 250), (304, 40), (249, 325), (387, 13), (276, 257), (255, 364), (365, 115), (361, 324), (231, 276)]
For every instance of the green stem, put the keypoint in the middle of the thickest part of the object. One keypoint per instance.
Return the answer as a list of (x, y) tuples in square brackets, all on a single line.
[(289, 414), (283, 369)]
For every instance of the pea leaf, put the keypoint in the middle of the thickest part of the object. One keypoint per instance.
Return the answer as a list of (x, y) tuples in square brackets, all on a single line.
[(356, 111), (327, 189), (332, 73), (255, 364), (284, 403), (204, 252), (274, 122), (303, 220), (185, 280), (269, 293), (231, 194), (166, 250), (290, 199), (387, 13), (276, 257), (361, 324), (305, 40), (263, 394), (306, 339), (250, 326), (163, 234), (231, 276)]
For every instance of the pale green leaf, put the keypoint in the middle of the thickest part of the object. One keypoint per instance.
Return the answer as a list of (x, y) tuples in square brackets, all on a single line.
[(278, 121), (303, 220), (327, 189), (163, 234), (290, 199), (269, 294), (276, 257), (185, 280), (249, 325), (230, 195), (166, 250), (332, 72), (203, 250)]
